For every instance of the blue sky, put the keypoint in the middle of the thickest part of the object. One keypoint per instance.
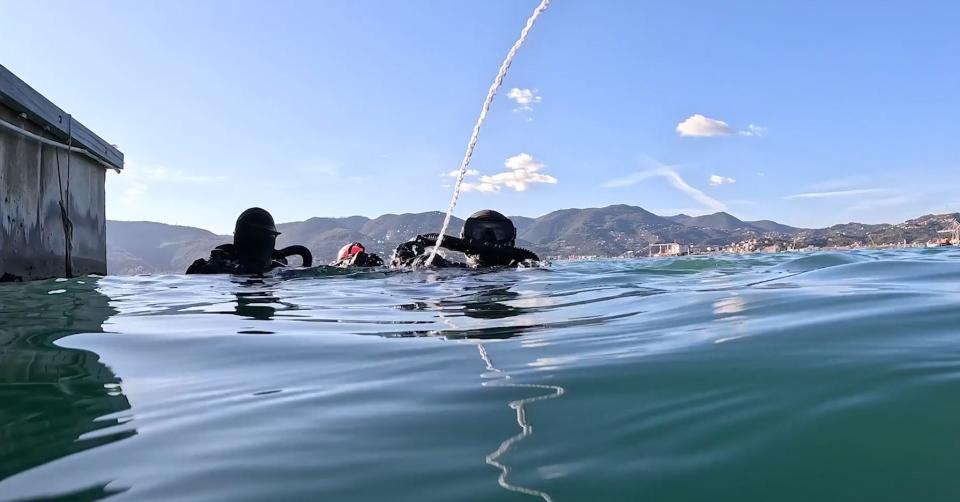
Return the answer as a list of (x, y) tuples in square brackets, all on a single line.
[(809, 113)]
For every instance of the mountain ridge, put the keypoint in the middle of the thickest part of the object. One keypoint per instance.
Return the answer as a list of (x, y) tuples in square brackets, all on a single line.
[(150, 247)]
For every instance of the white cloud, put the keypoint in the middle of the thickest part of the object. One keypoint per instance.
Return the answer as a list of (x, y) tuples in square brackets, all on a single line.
[(162, 174), (838, 193), (331, 171), (131, 185), (480, 187), (667, 173), (456, 172), (716, 180), (754, 131), (700, 126), (524, 98), (522, 170), (320, 168), (871, 205)]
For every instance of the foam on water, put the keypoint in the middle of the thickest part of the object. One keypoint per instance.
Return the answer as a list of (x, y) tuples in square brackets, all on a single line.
[(825, 376)]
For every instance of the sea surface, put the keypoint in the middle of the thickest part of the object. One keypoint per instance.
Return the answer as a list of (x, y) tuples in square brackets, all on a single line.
[(790, 377)]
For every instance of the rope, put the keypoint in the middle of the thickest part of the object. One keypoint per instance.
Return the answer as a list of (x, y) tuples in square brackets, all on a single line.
[(23, 132), (526, 429), (65, 202), (497, 82)]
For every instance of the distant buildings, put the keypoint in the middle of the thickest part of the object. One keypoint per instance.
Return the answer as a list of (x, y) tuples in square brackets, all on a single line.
[(669, 249)]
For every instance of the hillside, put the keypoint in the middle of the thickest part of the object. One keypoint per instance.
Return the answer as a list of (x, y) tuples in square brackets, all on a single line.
[(147, 247)]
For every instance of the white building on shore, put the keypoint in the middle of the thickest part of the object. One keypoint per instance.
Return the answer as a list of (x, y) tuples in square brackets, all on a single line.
[(669, 249)]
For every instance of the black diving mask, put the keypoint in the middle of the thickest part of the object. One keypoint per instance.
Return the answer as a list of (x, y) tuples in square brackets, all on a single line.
[(497, 233)]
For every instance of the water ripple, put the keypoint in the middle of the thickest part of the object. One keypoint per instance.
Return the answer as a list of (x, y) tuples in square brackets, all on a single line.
[(824, 376)]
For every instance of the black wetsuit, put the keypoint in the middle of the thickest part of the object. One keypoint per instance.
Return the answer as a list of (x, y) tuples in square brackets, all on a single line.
[(224, 259), (414, 253)]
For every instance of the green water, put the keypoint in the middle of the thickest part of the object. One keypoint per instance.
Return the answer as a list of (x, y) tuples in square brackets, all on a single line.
[(791, 377)]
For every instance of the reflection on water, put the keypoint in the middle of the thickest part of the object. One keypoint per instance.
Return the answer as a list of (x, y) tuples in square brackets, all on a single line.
[(500, 378), (694, 379), (256, 305), (54, 401), (490, 303)]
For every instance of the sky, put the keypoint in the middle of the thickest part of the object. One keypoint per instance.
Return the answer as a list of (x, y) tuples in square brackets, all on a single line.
[(808, 113)]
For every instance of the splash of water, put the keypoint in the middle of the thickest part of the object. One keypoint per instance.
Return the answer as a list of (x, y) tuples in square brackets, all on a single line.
[(497, 82)]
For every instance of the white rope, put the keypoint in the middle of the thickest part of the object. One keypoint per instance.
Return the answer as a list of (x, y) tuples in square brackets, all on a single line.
[(526, 429), (63, 146), (497, 82)]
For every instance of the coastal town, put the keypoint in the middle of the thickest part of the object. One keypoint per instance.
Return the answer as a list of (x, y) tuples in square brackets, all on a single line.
[(930, 231)]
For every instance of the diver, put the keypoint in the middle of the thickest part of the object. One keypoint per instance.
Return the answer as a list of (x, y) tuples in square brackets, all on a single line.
[(488, 239), (356, 255), (252, 251)]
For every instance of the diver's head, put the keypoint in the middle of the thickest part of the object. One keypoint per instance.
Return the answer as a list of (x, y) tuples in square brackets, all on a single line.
[(489, 227), (255, 237), (350, 250)]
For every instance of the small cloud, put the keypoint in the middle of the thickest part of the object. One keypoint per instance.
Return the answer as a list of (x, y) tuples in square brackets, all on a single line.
[(699, 126), (320, 168), (666, 172), (754, 131), (134, 184), (332, 171), (480, 187), (717, 180), (871, 205), (162, 174), (456, 172), (522, 170), (761, 174), (524, 98), (838, 193)]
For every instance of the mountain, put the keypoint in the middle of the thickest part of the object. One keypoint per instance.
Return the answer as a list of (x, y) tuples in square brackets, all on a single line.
[(772, 226), (607, 231), (393, 229), (721, 221), (144, 247), (154, 248), (726, 221)]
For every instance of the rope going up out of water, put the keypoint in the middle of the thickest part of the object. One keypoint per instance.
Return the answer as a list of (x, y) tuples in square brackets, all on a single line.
[(65, 203), (497, 82)]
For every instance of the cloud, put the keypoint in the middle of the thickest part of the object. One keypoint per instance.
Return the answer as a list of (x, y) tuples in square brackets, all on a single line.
[(871, 205), (320, 168), (524, 98), (699, 126), (128, 190), (754, 131), (838, 193), (456, 172), (522, 170), (162, 174), (331, 172), (667, 173), (716, 180)]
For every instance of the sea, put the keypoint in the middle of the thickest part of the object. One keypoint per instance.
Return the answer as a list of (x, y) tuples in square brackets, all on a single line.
[(829, 376)]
